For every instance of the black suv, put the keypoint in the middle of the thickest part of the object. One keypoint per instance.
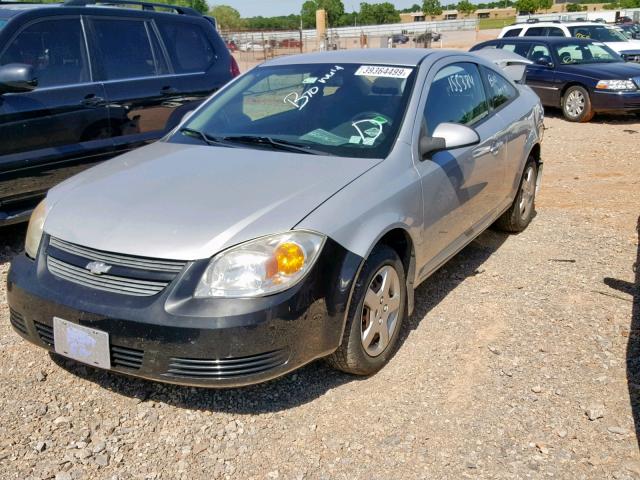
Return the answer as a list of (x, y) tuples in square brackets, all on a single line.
[(81, 82)]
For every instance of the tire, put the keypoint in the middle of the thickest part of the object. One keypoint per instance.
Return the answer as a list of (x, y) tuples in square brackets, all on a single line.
[(519, 215), (576, 105), (365, 324)]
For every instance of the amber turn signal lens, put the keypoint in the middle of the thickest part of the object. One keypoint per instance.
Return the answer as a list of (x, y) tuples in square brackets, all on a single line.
[(290, 258)]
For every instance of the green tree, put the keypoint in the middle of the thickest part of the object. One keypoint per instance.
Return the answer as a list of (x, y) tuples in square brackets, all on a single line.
[(228, 18), (334, 9), (545, 4), (432, 8), (466, 7), (378, 13), (574, 7), (527, 6)]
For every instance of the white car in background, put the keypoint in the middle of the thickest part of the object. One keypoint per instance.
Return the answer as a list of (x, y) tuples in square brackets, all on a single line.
[(607, 34), (254, 47)]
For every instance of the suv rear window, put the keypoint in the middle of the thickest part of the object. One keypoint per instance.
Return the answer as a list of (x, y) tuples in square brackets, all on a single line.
[(536, 32), (188, 46), (514, 32), (125, 48)]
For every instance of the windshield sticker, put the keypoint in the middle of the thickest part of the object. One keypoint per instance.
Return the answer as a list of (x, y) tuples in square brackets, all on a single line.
[(372, 133), (390, 72), (460, 83), (380, 119), (324, 137), (300, 101), (310, 80)]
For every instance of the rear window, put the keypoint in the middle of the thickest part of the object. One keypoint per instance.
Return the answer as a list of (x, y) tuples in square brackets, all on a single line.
[(536, 32), (188, 46), (514, 32), (125, 49)]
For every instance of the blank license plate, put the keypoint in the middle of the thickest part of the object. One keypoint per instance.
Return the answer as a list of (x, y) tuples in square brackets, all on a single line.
[(84, 344)]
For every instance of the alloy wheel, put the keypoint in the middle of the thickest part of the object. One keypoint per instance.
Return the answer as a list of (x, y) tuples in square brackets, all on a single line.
[(527, 190), (380, 311)]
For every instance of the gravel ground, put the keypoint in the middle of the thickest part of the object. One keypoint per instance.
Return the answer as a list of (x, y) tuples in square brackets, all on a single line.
[(519, 362)]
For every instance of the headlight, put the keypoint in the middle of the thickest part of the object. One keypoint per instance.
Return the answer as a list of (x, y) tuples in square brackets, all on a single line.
[(617, 85), (35, 229), (261, 267)]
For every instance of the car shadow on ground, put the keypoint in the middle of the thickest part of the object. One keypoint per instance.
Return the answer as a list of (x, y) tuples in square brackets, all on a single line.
[(307, 383), (11, 241), (601, 118), (633, 343)]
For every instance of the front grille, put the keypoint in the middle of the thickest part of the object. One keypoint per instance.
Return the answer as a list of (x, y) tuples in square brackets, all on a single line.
[(124, 357), (226, 367), (45, 332), (17, 321), (128, 275)]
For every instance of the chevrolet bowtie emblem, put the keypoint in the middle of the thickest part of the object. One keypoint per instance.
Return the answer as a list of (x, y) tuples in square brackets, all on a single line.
[(98, 268)]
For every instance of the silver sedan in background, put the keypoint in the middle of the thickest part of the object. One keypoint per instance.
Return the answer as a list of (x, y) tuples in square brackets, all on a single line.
[(289, 218)]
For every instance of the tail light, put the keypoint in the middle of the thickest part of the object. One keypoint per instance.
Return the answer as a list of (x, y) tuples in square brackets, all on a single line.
[(235, 69)]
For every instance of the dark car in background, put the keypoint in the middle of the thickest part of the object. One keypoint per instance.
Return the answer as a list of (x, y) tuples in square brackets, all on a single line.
[(582, 77), (80, 83)]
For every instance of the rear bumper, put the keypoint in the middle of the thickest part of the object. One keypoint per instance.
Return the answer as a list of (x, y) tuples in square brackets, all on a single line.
[(172, 337), (615, 102)]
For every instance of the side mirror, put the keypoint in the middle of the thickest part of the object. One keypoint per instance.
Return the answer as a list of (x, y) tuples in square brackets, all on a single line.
[(544, 61), (448, 136), (16, 78)]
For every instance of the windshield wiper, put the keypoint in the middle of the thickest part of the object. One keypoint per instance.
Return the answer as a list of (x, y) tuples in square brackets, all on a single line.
[(277, 144), (209, 140)]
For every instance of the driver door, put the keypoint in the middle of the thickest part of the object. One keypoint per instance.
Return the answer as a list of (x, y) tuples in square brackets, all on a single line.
[(542, 78)]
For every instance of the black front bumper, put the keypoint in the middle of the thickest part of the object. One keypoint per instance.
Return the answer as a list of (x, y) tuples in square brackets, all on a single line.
[(176, 338), (615, 102)]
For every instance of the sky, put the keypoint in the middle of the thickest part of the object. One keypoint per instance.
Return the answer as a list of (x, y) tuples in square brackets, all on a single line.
[(271, 8)]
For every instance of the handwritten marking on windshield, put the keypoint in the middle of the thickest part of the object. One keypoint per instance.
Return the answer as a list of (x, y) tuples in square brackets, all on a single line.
[(372, 133)]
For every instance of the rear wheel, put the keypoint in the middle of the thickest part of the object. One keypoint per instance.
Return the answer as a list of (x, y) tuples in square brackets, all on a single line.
[(378, 308), (576, 105), (519, 215)]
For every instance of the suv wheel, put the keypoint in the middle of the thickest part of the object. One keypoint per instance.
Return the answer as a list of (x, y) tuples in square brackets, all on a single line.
[(376, 314), (576, 105)]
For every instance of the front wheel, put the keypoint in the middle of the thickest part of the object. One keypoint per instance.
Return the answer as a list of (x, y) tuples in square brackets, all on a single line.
[(376, 314), (576, 105), (519, 215)]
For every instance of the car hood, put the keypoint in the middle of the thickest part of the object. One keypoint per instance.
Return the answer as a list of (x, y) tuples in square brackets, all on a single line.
[(187, 202), (606, 71), (624, 46)]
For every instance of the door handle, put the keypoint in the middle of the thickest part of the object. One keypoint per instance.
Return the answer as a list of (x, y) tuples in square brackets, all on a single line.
[(496, 147), (92, 100), (168, 90)]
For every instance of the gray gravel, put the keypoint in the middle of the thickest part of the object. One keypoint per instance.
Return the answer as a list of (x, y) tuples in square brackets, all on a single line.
[(518, 363)]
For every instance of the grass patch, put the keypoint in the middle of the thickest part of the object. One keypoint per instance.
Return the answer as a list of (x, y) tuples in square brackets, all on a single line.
[(492, 23)]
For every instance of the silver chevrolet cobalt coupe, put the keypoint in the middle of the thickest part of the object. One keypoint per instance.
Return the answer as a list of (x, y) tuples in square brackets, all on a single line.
[(289, 218)]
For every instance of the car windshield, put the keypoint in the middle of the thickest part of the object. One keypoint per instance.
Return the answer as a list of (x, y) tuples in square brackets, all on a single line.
[(348, 110), (582, 53), (597, 32)]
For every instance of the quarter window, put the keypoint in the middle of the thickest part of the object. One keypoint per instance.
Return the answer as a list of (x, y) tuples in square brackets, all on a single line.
[(188, 47), (555, 32), (54, 48), (514, 32), (456, 95), (499, 89), (125, 49)]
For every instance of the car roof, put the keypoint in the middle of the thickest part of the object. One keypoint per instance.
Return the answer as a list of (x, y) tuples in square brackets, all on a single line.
[(12, 8), (8, 9), (558, 24), (376, 56), (551, 40)]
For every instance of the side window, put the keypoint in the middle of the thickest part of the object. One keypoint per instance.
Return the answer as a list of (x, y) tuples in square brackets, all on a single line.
[(537, 52), (499, 89), (54, 48), (456, 95), (188, 46), (555, 32), (536, 32), (124, 49), (521, 48), (514, 32)]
